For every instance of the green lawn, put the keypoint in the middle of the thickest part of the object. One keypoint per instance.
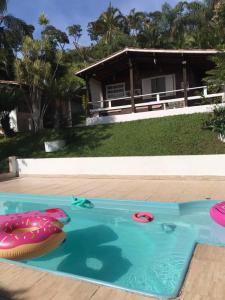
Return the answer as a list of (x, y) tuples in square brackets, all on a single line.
[(163, 136)]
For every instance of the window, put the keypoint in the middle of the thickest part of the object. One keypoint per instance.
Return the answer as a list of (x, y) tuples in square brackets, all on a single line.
[(115, 90), (158, 84)]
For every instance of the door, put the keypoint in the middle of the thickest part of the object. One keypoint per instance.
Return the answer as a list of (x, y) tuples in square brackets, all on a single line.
[(96, 93)]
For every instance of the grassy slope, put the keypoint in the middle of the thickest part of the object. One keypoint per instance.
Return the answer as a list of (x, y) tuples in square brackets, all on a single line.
[(163, 136)]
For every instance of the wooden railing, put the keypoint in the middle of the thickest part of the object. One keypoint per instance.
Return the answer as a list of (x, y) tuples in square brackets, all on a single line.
[(173, 97)]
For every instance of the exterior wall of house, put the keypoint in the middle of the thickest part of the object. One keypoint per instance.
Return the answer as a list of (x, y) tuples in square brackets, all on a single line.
[(24, 121), (20, 121), (23, 118)]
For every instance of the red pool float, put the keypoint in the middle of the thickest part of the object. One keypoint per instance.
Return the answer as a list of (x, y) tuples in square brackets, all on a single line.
[(143, 217)]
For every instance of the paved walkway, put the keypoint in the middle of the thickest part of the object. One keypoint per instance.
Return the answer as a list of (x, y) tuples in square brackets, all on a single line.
[(142, 188), (206, 276)]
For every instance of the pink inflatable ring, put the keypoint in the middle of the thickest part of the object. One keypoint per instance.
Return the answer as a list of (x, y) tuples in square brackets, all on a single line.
[(217, 213), (56, 213), (143, 217), (28, 237)]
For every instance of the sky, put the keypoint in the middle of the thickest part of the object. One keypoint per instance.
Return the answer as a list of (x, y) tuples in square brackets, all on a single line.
[(63, 13)]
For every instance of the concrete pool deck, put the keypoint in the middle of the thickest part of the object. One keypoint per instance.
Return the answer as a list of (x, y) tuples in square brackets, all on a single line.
[(205, 278)]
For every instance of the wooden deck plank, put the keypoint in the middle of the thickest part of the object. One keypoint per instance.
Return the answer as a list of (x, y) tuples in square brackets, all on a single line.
[(161, 190), (206, 276), (205, 279), (112, 294)]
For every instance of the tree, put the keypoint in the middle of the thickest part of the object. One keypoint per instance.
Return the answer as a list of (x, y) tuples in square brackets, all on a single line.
[(150, 35), (196, 24), (83, 53), (186, 25), (35, 71), (218, 22), (44, 69), (107, 25), (40, 66), (57, 37), (75, 31), (12, 31), (64, 87), (216, 76), (135, 21)]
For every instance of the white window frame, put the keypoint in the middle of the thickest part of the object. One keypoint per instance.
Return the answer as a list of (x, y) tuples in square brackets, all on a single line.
[(113, 86), (164, 76)]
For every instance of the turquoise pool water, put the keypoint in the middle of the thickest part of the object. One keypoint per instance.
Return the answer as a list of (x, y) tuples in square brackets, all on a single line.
[(105, 245)]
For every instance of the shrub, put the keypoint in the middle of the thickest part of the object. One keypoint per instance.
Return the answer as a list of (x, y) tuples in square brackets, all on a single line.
[(4, 166), (217, 121)]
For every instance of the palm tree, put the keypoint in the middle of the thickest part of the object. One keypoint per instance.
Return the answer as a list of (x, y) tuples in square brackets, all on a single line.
[(152, 35), (213, 3), (109, 23), (135, 21), (192, 25), (186, 25)]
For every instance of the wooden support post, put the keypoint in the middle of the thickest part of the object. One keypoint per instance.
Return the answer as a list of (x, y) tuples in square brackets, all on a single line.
[(70, 115), (223, 97), (131, 69), (205, 92), (184, 63), (88, 97)]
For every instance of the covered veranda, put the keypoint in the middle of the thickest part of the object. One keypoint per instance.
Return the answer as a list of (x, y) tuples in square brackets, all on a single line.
[(140, 80)]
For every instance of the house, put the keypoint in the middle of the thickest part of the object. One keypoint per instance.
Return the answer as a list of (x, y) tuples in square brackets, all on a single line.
[(21, 119), (147, 80)]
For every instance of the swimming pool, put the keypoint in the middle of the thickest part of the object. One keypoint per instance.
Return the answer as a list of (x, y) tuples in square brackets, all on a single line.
[(105, 245)]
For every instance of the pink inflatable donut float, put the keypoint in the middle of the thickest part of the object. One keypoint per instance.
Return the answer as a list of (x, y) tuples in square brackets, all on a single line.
[(217, 213), (29, 237), (31, 234), (56, 213)]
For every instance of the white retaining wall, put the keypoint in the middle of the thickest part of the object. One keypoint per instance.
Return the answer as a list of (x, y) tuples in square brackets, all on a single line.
[(149, 114), (196, 165)]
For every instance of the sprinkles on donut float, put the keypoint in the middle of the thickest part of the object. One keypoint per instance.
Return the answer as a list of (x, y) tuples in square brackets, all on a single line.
[(31, 234)]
